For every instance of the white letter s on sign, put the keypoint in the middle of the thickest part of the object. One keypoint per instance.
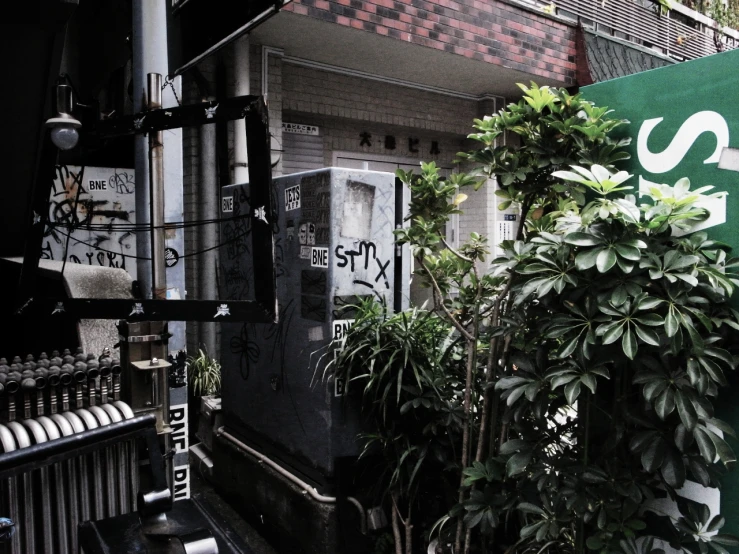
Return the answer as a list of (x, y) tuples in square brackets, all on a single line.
[(687, 134)]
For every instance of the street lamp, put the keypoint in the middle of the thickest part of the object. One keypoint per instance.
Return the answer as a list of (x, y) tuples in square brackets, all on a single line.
[(64, 125)]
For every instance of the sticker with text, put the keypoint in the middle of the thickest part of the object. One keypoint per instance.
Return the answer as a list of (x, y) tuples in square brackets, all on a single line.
[(292, 198), (319, 256)]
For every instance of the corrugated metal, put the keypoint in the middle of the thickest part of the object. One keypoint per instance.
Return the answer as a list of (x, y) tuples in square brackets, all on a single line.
[(301, 153), (673, 34)]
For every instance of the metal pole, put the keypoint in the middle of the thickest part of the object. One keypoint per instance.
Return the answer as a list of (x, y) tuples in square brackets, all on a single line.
[(208, 211), (156, 191)]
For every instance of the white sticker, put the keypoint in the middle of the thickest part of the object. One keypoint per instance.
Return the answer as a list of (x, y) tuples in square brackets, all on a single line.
[(292, 198), (339, 386), (318, 256), (181, 482), (227, 204), (178, 423), (340, 327), (305, 252)]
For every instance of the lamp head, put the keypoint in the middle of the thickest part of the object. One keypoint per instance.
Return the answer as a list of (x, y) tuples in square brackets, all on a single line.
[(64, 125)]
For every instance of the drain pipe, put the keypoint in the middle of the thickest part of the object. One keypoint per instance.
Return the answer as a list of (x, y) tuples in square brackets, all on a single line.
[(307, 489)]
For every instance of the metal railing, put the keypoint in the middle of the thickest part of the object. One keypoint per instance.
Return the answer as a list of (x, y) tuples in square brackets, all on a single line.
[(682, 33)]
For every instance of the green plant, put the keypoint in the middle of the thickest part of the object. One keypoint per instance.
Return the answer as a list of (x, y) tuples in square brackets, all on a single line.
[(592, 348), (203, 374), (402, 368)]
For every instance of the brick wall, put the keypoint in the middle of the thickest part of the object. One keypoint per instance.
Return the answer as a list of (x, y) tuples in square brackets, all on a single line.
[(496, 32)]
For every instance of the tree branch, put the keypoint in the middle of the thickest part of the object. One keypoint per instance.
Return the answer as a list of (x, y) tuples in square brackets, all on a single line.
[(457, 325)]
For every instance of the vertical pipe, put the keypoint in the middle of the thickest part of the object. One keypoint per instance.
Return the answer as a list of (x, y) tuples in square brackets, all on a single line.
[(149, 25), (156, 191), (241, 88), (208, 211)]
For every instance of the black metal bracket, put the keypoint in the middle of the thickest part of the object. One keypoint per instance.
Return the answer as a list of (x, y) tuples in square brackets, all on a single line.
[(263, 309)]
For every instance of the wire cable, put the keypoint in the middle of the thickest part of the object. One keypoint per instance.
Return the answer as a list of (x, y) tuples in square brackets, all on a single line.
[(219, 245)]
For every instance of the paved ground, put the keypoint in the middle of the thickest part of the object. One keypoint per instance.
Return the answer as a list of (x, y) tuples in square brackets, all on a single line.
[(242, 536)]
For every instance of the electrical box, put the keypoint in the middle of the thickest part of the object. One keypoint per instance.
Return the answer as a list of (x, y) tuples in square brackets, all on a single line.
[(334, 244)]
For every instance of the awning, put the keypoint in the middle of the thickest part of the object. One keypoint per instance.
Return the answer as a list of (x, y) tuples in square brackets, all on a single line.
[(602, 57)]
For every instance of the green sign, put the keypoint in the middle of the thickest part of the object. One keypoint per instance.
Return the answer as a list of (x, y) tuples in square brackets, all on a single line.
[(684, 122)]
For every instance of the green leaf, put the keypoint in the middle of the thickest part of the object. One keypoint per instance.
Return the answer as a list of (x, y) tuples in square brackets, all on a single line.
[(517, 463), (594, 542), (652, 457), (613, 333), (629, 344), (589, 381), (671, 322), (587, 258), (513, 445), (572, 391), (686, 411), (726, 540), (647, 335), (582, 239), (683, 438), (673, 469), (705, 444), (606, 260), (641, 440), (654, 388), (628, 252), (665, 404), (723, 450), (529, 508), (722, 426)]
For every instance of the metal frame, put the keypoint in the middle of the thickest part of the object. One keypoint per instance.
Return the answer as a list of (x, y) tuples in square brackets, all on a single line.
[(261, 310)]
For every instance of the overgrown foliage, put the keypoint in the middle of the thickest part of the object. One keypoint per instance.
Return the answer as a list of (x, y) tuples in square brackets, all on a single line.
[(592, 349)]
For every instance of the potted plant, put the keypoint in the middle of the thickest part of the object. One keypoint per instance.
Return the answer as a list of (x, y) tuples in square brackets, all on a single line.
[(204, 379)]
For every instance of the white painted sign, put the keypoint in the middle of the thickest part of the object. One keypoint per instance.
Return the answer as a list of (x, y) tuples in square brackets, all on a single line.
[(292, 198), (181, 482), (319, 256), (227, 204), (300, 129), (178, 423)]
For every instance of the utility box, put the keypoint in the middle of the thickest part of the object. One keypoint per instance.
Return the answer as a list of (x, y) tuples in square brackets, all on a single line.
[(334, 245), (209, 420)]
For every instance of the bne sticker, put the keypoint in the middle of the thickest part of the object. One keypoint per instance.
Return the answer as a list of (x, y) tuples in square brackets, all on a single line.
[(319, 256), (227, 204)]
